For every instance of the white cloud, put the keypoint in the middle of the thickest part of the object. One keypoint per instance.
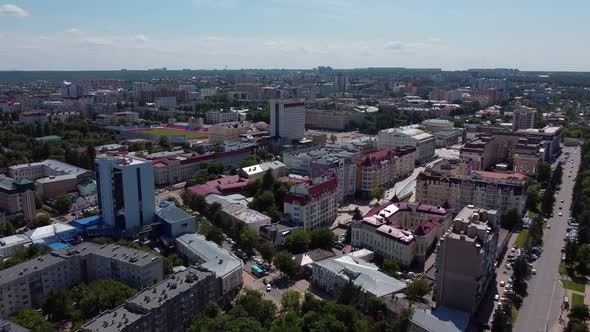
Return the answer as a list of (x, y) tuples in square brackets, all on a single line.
[(213, 39), (98, 41), (12, 10), (73, 30), (141, 38), (217, 3), (394, 46)]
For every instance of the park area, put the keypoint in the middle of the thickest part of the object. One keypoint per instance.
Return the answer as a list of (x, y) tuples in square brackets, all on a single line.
[(172, 132)]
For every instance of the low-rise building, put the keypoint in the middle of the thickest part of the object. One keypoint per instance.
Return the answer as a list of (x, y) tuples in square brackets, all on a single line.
[(330, 275), (332, 120), (277, 168), (227, 132), (447, 137), (10, 244), (465, 261), (313, 204), (436, 125), (32, 117), (52, 177), (176, 221), (403, 232), (48, 234), (409, 135), (209, 255), (214, 117)]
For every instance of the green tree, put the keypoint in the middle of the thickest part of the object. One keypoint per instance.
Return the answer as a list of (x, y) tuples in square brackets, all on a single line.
[(544, 173), (322, 238), (262, 310), (57, 305), (170, 262), (32, 320), (510, 218), (266, 250), (165, 142), (416, 290), (214, 234), (6, 229), (212, 310), (297, 242), (579, 312), (40, 221), (547, 202), (376, 307), (532, 199), (291, 301), (285, 263), (248, 239), (583, 258), (63, 203), (390, 268), (349, 293), (378, 193), (502, 319), (288, 322), (100, 295)]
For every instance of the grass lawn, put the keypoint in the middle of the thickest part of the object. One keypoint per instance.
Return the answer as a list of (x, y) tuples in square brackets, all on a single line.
[(171, 132), (521, 238), (575, 286), (577, 299), (514, 314)]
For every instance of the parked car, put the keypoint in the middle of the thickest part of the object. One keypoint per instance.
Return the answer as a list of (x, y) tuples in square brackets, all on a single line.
[(496, 297), (502, 283), (268, 287), (534, 271)]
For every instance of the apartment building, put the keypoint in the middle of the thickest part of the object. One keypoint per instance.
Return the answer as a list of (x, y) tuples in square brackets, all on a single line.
[(212, 257), (125, 192), (313, 204), (332, 120), (52, 177), (17, 198), (376, 169), (287, 119), (403, 232), (215, 117), (227, 132), (525, 153), (523, 117), (170, 305), (550, 136), (408, 136), (454, 183), (25, 285), (320, 161), (465, 261)]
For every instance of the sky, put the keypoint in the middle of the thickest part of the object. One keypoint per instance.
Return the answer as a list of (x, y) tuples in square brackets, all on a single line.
[(295, 34)]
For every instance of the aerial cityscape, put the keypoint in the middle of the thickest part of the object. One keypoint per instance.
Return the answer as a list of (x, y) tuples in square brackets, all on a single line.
[(326, 179)]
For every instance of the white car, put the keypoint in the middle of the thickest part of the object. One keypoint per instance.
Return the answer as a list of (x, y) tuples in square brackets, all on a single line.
[(502, 283), (534, 271), (268, 287), (496, 297), (560, 214)]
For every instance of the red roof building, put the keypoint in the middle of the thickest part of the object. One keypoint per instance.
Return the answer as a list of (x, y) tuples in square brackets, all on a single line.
[(313, 204)]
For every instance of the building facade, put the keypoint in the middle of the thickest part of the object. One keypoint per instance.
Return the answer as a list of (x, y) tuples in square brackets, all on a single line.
[(313, 204), (523, 117), (408, 136), (287, 119), (454, 183), (332, 120), (403, 232), (17, 198), (465, 261), (125, 192), (227, 132)]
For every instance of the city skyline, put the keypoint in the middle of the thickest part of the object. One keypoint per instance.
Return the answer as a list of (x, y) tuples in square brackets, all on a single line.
[(207, 34)]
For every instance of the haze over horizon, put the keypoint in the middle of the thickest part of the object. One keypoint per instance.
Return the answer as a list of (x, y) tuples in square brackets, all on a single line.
[(271, 34)]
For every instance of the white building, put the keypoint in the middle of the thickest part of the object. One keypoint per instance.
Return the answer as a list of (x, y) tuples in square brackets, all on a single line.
[(277, 168), (523, 117), (215, 117), (313, 205), (408, 136), (10, 244), (287, 119), (227, 267), (125, 191)]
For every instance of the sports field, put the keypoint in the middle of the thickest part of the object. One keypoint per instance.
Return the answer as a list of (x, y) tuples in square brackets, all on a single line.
[(172, 132)]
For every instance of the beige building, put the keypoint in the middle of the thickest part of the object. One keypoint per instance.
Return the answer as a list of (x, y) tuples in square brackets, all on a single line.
[(403, 232), (17, 198), (465, 261), (436, 125), (408, 136), (227, 132), (454, 183), (25, 285), (313, 204), (523, 117), (332, 120), (383, 168)]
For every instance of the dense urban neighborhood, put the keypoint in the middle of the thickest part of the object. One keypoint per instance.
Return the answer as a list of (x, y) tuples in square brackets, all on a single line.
[(377, 199)]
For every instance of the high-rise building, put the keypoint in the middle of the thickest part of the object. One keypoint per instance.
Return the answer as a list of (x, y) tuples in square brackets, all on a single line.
[(341, 83), (125, 191), (523, 117), (287, 119), (464, 267)]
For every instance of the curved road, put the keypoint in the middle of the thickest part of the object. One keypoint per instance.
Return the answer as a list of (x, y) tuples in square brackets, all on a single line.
[(541, 308)]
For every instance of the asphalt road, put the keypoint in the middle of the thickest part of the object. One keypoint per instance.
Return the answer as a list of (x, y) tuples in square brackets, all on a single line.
[(541, 308)]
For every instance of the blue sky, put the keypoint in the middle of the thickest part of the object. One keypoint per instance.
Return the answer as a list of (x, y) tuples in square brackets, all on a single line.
[(138, 34)]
